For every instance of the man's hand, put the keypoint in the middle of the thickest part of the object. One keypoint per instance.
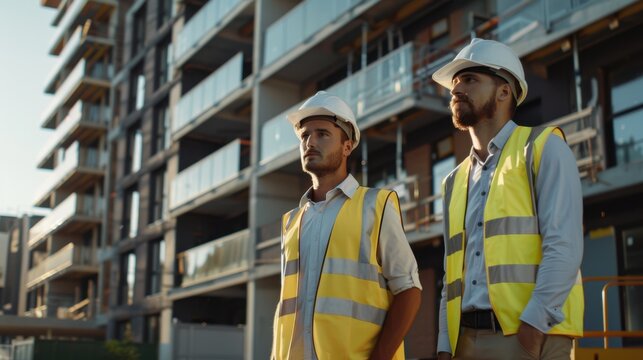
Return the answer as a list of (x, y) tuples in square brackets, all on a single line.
[(444, 356), (531, 339)]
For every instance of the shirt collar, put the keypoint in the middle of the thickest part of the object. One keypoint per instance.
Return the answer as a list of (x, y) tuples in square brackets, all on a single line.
[(497, 143), (348, 187)]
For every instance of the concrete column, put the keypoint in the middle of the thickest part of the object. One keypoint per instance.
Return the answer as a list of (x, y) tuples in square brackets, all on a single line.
[(263, 295)]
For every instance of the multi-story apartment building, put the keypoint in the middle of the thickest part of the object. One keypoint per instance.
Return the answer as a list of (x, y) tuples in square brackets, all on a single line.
[(62, 248), (203, 162)]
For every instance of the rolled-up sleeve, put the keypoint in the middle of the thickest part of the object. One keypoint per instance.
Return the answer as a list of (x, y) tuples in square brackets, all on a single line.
[(560, 215), (399, 266)]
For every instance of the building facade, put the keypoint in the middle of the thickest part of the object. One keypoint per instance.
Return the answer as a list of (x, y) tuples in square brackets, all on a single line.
[(201, 162)]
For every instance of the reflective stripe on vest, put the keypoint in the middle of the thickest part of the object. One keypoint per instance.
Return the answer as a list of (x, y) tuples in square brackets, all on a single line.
[(352, 297), (512, 242)]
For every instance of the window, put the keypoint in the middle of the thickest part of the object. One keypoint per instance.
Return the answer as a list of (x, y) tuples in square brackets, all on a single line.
[(627, 113), (158, 196), (124, 330), (137, 89), (134, 150), (163, 61), (161, 128), (156, 259), (632, 239), (127, 278), (138, 31), (129, 226), (443, 163), (152, 329), (165, 12)]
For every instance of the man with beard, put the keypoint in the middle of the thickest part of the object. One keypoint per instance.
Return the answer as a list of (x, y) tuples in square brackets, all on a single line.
[(349, 280), (512, 221)]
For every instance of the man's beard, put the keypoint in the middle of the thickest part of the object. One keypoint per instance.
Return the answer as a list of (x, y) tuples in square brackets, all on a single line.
[(328, 165), (468, 116)]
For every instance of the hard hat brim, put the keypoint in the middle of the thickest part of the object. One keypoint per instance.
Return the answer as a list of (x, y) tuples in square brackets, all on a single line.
[(444, 75)]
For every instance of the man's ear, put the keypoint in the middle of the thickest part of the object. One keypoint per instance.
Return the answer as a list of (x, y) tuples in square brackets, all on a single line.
[(347, 147), (503, 92)]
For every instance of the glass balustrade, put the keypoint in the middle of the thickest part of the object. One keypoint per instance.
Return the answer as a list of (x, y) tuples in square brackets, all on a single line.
[(70, 15), (74, 157), (207, 18), (365, 91), (213, 170), (299, 24), (68, 256), (278, 136), (98, 70), (81, 111), (209, 92), (74, 204), (219, 257)]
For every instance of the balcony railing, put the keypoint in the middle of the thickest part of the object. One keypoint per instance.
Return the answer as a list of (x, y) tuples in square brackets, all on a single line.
[(220, 257), (209, 92), (418, 212), (75, 158), (584, 136), (73, 205), (301, 23), (212, 171), (37, 312), (366, 91), (70, 255), (71, 16), (84, 69), (71, 48), (81, 112), (536, 18), (208, 17)]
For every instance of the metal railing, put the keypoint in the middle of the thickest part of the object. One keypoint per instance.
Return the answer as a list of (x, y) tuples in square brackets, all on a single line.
[(208, 173), (74, 204), (68, 256), (301, 23), (220, 257), (584, 136), (207, 18), (209, 92), (418, 212), (612, 282)]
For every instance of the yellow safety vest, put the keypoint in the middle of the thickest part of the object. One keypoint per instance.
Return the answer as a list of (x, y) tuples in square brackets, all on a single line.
[(352, 297), (512, 240)]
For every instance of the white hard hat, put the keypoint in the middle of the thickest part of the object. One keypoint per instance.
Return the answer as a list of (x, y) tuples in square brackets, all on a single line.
[(325, 104), (490, 54)]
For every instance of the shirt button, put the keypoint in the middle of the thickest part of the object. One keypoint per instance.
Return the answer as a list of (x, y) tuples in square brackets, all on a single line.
[(477, 253), (479, 223), (549, 324), (474, 282), (484, 167), (483, 193)]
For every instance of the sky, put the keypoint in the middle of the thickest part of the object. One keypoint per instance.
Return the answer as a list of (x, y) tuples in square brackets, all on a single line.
[(24, 64)]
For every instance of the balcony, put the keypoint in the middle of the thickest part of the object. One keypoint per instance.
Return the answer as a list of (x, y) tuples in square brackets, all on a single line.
[(195, 107), (218, 258), (532, 24), (88, 41), (199, 32), (50, 3), (75, 14), (207, 175), (70, 260), (75, 214), (301, 23), (84, 82), (84, 122), (81, 167), (393, 84)]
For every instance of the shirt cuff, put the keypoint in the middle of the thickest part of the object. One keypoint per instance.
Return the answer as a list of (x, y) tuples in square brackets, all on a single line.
[(443, 343), (401, 283), (540, 316)]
